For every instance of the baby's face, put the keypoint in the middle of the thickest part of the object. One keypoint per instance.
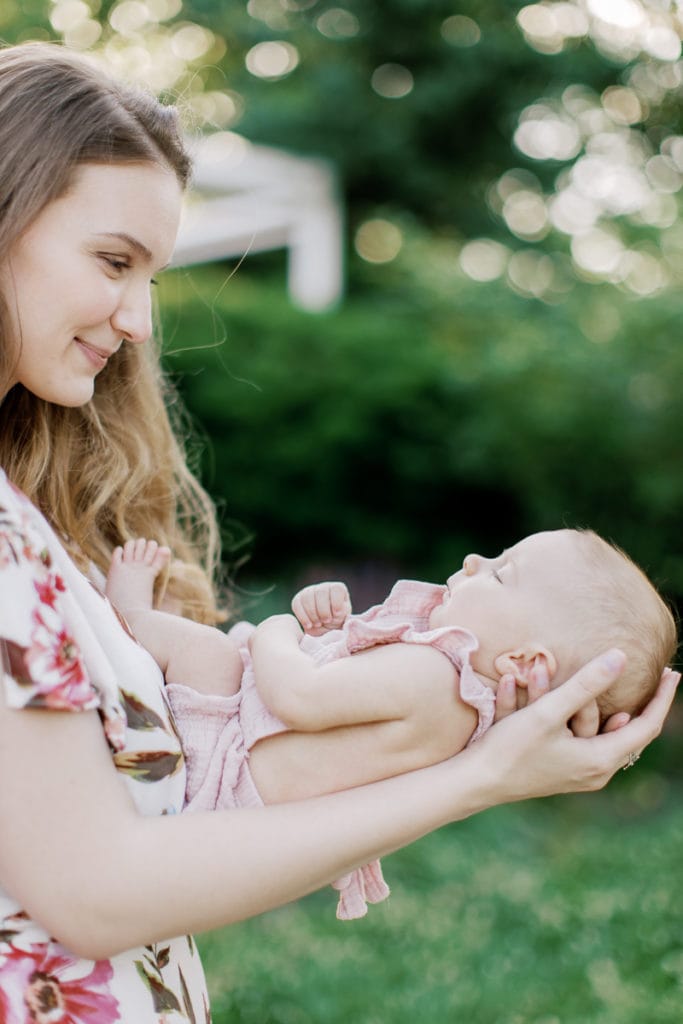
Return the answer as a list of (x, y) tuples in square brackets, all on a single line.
[(521, 596)]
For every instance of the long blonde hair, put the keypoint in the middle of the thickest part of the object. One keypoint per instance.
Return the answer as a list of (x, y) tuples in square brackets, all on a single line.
[(116, 467)]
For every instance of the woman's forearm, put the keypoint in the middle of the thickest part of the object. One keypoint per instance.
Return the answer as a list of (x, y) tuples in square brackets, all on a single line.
[(227, 866), (124, 880)]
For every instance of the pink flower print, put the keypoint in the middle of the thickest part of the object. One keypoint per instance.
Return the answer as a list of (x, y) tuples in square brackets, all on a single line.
[(48, 589), (54, 663), (41, 987)]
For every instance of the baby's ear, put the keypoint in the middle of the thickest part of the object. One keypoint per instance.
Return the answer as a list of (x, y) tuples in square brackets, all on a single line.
[(522, 660)]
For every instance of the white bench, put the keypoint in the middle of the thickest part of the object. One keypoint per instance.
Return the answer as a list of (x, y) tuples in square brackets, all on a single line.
[(248, 198)]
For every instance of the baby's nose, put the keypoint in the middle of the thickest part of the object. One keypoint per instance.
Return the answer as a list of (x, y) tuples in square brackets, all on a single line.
[(471, 564)]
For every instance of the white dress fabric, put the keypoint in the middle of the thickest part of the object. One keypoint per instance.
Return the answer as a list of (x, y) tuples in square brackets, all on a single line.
[(66, 650)]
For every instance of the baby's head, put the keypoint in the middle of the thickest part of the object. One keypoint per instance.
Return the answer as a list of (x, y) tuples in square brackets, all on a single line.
[(559, 598)]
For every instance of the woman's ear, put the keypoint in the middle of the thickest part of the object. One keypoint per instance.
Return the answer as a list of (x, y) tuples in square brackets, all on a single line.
[(521, 661)]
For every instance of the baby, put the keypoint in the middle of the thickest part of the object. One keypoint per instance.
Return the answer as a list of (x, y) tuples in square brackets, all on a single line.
[(283, 716)]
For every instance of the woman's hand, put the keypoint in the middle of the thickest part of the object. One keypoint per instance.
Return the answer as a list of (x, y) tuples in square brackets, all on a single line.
[(545, 755)]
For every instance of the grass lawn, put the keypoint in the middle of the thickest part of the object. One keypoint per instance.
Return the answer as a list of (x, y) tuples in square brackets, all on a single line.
[(563, 911)]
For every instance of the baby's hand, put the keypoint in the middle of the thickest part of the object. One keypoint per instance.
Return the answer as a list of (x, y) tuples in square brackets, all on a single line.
[(321, 607)]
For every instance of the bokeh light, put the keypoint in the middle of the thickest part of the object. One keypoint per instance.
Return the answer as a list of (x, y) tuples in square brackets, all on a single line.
[(163, 10), (547, 26), (190, 42), (483, 259), (72, 18), (597, 252), (622, 105), (459, 30), (68, 13), (226, 148), (338, 23), (270, 12), (272, 60), (378, 241), (531, 273), (619, 177), (545, 133), (129, 17), (526, 215), (392, 81), (220, 109)]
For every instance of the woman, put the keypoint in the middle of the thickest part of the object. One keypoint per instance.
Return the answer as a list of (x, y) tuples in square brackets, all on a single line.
[(97, 867)]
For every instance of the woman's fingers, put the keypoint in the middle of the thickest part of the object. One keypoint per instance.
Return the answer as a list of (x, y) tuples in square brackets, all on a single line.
[(621, 747), (542, 756), (506, 697), (539, 682), (616, 721), (585, 685), (636, 734), (586, 721)]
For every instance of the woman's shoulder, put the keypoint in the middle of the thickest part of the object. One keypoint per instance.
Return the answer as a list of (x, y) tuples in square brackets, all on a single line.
[(19, 516), (45, 638)]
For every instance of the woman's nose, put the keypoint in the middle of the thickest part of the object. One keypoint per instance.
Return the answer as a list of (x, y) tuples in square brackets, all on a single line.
[(132, 318)]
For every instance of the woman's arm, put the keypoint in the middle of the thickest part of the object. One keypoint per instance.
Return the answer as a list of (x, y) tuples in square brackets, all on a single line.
[(385, 683), (101, 878)]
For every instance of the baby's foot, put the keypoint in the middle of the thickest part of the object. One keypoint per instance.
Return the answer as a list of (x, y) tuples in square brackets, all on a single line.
[(133, 570)]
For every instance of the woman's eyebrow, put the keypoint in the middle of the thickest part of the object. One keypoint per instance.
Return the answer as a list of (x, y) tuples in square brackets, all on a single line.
[(135, 243), (130, 240)]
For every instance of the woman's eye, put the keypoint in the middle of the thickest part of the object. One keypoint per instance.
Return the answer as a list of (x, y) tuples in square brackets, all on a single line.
[(496, 576), (115, 262)]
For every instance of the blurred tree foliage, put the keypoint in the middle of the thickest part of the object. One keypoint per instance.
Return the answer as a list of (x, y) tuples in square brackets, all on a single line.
[(432, 152)]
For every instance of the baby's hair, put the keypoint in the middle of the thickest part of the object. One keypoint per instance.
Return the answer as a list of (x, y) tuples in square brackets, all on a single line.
[(617, 606)]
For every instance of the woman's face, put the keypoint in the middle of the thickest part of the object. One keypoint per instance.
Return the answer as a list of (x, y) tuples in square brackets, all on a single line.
[(78, 281)]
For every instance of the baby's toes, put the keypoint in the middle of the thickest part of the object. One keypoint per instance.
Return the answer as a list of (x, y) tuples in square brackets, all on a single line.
[(161, 557)]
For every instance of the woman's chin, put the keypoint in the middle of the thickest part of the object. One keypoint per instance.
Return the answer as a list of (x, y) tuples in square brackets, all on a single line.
[(71, 397)]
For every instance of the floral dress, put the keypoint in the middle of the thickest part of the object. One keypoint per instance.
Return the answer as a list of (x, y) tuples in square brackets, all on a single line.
[(65, 648)]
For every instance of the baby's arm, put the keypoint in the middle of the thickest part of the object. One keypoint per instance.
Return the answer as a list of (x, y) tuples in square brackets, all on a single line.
[(385, 683), (321, 607)]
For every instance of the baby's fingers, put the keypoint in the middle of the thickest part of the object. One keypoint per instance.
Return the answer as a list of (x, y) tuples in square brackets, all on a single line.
[(340, 602), (301, 609), (321, 606)]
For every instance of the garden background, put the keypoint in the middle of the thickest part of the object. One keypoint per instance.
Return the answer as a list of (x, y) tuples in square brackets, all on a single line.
[(506, 358)]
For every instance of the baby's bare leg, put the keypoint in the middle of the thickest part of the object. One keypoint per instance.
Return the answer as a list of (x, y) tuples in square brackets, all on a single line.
[(187, 652), (296, 765)]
